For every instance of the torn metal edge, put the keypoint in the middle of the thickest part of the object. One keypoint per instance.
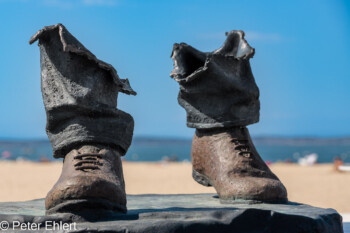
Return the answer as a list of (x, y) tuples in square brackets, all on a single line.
[(123, 84), (244, 51)]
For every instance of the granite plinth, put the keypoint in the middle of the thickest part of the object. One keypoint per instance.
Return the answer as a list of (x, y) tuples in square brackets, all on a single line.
[(185, 213)]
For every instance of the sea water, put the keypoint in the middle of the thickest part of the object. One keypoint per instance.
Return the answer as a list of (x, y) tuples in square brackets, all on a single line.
[(180, 150)]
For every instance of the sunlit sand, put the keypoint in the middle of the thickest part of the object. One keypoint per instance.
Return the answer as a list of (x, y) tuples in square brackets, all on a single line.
[(318, 185)]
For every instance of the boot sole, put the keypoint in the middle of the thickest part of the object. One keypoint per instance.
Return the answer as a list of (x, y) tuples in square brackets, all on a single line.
[(247, 201), (201, 179), (92, 207), (204, 180)]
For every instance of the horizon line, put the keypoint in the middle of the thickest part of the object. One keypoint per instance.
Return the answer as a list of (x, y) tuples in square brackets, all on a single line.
[(156, 137)]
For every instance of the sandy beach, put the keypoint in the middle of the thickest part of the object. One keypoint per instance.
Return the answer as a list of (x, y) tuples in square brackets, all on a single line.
[(318, 185)]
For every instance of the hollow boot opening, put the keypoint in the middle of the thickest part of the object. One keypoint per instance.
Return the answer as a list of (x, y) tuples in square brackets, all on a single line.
[(186, 60)]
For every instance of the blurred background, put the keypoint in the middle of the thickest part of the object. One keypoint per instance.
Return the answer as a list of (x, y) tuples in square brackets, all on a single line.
[(301, 66)]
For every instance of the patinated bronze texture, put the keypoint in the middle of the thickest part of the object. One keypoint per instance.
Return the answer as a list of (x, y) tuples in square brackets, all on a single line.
[(217, 89), (93, 175), (83, 124), (220, 96), (226, 159), (80, 95)]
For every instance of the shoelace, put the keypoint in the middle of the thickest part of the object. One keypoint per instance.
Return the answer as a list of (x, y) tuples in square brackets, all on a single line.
[(243, 146), (88, 161)]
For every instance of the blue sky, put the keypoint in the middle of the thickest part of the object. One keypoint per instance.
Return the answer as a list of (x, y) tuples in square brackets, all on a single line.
[(301, 65)]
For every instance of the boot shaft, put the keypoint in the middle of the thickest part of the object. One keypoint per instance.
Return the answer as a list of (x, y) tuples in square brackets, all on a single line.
[(80, 95), (217, 89)]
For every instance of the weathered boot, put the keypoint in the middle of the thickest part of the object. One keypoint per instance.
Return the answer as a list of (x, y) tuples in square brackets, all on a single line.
[(83, 124), (91, 178), (227, 160), (221, 98)]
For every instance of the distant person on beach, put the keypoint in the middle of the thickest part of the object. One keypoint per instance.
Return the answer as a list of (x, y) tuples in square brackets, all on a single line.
[(6, 154), (337, 163)]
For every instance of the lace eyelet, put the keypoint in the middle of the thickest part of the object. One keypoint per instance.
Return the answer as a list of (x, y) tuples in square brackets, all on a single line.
[(88, 161), (243, 147)]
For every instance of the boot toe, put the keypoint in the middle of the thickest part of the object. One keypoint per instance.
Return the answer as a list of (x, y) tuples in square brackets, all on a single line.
[(85, 187), (254, 188)]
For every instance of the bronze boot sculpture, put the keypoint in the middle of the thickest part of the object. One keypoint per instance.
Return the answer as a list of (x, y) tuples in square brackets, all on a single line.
[(83, 124), (221, 98)]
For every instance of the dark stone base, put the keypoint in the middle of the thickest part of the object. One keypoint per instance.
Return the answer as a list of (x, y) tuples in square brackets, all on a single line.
[(200, 213)]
